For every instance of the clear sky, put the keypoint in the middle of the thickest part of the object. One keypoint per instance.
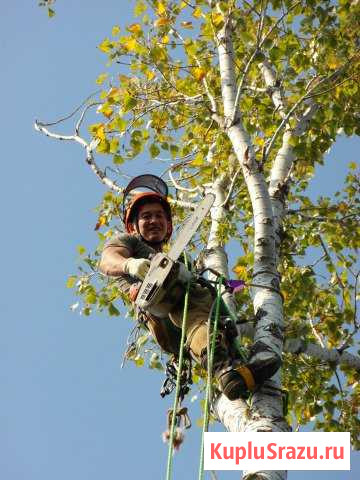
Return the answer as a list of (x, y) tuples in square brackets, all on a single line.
[(67, 410)]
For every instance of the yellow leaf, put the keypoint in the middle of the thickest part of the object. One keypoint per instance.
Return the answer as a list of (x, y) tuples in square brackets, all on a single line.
[(115, 30), (100, 132), (199, 73), (130, 44), (217, 19), (241, 271), (103, 147), (259, 141), (71, 281), (343, 207), (106, 46), (165, 39), (183, 5), (197, 12), (134, 28), (106, 110), (160, 22), (187, 25), (161, 9), (101, 78), (333, 62), (114, 95), (150, 75), (100, 223), (198, 161)]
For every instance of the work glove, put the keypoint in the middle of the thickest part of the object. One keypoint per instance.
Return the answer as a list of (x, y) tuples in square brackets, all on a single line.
[(137, 267)]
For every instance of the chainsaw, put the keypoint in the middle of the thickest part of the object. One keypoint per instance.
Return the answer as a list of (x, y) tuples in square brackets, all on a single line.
[(161, 281)]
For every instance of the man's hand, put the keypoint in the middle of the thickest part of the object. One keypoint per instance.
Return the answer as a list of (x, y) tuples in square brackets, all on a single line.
[(136, 267)]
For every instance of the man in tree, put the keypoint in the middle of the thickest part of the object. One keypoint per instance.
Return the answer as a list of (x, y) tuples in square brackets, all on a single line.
[(148, 222)]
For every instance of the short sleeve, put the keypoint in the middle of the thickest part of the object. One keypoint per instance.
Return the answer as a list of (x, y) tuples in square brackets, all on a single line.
[(136, 247)]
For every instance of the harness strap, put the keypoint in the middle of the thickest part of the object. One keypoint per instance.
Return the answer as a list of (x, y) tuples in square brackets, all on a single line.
[(247, 376)]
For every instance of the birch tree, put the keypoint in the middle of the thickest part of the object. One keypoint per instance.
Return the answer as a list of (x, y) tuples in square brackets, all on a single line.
[(244, 99)]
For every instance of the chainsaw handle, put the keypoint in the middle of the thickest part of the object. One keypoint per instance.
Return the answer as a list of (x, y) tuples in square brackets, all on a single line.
[(134, 290)]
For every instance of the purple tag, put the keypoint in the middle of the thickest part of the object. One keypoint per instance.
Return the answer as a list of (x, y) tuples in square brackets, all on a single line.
[(235, 285)]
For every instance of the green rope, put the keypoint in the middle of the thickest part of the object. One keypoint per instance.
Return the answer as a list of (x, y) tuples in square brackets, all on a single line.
[(209, 374), (177, 390), (236, 342)]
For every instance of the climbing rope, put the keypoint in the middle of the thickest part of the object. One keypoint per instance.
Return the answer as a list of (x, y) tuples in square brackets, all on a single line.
[(210, 356), (217, 305), (178, 380)]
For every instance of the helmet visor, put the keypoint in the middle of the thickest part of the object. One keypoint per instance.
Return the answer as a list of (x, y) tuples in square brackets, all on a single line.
[(152, 182)]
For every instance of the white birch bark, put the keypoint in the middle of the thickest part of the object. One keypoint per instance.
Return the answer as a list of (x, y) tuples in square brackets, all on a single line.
[(297, 346), (215, 254), (265, 412)]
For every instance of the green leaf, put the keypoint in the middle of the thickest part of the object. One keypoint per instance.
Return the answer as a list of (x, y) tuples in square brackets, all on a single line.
[(103, 147), (118, 159), (51, 13), (139, 361), (81, 249), (129, 102), (113, 311), (174, 149), (114, 145), (154, 150), (120, 124), (90, 298)]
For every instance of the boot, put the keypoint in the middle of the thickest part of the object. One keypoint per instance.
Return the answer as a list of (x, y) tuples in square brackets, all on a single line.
[(237, 380), (263, 362), (231, 382)]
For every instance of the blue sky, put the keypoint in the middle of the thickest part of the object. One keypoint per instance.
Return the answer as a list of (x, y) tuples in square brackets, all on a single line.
[(67, 409)]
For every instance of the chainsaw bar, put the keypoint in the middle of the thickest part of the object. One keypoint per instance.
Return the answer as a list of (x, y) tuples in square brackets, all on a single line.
[(191, 226), (151, 290)]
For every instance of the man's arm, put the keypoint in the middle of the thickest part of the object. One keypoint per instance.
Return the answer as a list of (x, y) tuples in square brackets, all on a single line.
[(116, 261), (113, 259)]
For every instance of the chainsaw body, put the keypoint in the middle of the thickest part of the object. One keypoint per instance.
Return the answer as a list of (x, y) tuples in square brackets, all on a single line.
[(160, 289)]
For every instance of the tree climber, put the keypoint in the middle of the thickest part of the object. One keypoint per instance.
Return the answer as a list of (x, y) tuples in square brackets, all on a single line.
[(148, 223)]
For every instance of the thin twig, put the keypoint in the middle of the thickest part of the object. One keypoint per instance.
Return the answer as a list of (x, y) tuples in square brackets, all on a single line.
[(259, 45), (82, 116), (177, 186), (67, 117), (231, 188), (204, 81), (315, 332)]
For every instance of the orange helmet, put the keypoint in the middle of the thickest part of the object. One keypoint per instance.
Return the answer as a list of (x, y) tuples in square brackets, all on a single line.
[(159, 192)]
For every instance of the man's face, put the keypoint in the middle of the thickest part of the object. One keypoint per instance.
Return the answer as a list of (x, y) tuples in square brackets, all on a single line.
[(152, 222)]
